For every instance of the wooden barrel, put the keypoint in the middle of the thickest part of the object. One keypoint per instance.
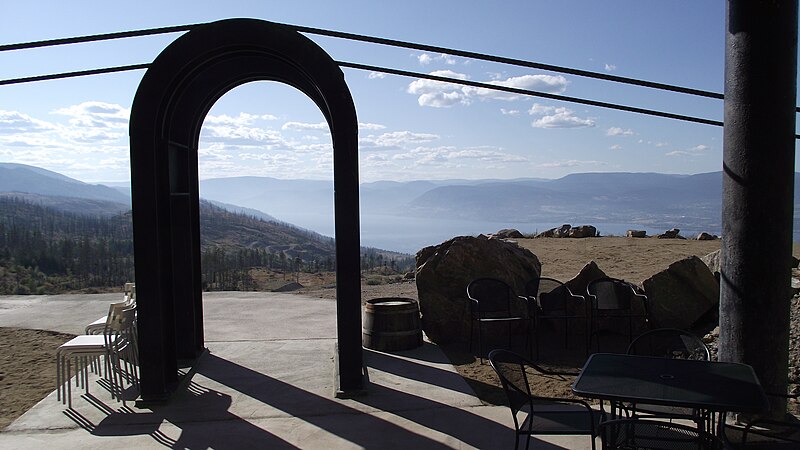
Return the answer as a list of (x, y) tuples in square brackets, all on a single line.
[(391, 324)]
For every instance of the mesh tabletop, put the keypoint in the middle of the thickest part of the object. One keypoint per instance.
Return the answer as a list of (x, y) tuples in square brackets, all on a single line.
[(712, 386)]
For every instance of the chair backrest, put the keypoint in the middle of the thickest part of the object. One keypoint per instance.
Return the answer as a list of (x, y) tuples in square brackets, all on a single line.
[(612, 294), (121, 328), (510, 368), (489, 295), (669, 343), (655, 435), (551, 294)]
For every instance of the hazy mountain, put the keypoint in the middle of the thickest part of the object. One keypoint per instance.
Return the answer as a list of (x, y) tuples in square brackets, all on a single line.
[(407, 216), (604, 197), (34, 180)]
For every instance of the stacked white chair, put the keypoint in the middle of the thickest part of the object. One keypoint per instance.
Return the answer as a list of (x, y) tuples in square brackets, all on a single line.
[(117, 345), (129, 299)]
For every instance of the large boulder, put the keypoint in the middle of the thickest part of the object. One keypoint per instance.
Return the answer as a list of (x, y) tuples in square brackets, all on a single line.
[(589, 273), (706, 236), (444, 270), (712, 261), (680, 295), (671, 234), (636, 233), (561, 231), (507, 233), (582, 231)]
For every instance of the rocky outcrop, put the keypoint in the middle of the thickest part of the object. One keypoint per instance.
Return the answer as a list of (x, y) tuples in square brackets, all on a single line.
[(589, 273), (671, 234), (680, 295), (508, 233), (706, 236), (636, 233), (582, 231), (568, 230), (556, 232), (443, 272)]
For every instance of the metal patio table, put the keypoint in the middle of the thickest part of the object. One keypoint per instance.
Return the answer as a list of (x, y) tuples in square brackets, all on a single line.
[(713, 388)]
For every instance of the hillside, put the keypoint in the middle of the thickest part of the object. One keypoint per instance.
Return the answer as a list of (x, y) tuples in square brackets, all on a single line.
[(45, 250)]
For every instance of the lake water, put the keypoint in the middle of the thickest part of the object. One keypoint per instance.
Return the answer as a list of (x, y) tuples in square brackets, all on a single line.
[(410, 234)]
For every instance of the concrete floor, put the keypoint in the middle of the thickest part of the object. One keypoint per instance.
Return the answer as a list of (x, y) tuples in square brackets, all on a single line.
[(267, 381)]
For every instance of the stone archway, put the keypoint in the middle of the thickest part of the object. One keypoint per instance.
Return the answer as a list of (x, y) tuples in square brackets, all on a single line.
[(175, 95)]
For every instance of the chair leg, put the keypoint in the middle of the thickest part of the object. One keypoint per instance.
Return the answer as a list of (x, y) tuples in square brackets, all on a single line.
[(69, 384), (480, 342), (58, 376), (471, 335)]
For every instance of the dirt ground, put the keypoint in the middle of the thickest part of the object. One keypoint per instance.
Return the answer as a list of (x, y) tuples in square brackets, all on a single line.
[(27, 372)]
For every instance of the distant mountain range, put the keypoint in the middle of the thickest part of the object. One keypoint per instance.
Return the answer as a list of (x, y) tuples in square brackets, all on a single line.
[(222, 224), (610, 201), (646, 200)]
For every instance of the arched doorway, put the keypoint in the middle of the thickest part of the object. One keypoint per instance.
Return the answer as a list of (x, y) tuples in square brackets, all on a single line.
[(175, 94)]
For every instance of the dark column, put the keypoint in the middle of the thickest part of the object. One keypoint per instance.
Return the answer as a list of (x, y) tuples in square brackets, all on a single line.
[(348, 264), (758, 187)]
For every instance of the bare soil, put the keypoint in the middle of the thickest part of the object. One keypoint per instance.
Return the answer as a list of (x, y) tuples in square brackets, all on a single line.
[(27, 372)]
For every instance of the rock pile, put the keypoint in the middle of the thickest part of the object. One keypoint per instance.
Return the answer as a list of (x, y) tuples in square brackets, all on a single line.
[(568, 230)]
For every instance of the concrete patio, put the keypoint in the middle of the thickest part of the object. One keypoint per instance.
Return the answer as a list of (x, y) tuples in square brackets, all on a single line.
[(267, 381)]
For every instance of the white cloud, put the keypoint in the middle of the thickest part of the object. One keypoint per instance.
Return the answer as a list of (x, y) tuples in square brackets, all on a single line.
[(572, 163), (509, 112), (617, 131), (17, 122), (374, 75), (241, 119), (611, 67), (615, 147), (539, 110), (370, 126), (95, 113), (426, 59), (543, 83), (304, 126), (697, 150), (450, 157), (440, 94), (562, 118), (397, 139)]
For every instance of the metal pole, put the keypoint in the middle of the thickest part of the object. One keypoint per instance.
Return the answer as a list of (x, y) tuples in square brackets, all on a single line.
[(758, 187)]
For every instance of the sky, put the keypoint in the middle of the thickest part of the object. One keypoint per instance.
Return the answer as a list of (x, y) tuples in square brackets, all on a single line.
[(409, 129)]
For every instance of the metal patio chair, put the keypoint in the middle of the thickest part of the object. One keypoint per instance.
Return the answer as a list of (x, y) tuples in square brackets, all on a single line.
[(669, 343), (551, 300), (490, 302), (612, 299), (535, 415), (630, 434)]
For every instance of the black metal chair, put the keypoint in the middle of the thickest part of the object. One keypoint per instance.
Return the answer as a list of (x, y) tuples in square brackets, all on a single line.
[(669, 343), (613, 299), (676, 344), (535, 415), (629, 434), (551, 300), (770, 434), (490, 301)]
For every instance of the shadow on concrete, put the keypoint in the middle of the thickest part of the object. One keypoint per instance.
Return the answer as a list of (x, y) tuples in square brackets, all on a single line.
[(406, 368), (194, 433), (199, 417)]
